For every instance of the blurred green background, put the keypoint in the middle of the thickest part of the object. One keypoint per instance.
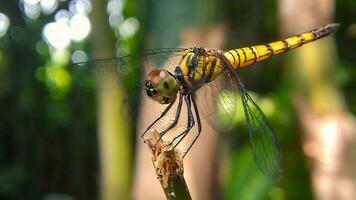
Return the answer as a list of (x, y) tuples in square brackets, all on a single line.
[(49, 142)]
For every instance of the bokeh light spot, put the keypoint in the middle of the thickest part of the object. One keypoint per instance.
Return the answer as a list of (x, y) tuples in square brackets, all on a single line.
[(62, 14), (57, 80), (60, 57), (48, 6), (80, 6), (4, 24), (42, 48), (79, 56), (31, 2), (57, 34), (32, 10), (114, 7), (79, 27), (66, 28), (329, 132), (129, 27), (58, 77), (41, 73), (17, 33)]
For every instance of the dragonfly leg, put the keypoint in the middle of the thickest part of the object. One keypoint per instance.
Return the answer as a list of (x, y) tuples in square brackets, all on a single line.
[(196, 111), (190, 123), (160, 117), (175, 121)]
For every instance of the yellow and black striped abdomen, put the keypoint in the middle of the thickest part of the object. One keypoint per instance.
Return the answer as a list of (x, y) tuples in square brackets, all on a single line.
[(246, 56)]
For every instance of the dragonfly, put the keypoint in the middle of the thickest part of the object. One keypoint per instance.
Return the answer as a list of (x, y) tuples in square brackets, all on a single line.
[(196, 67)]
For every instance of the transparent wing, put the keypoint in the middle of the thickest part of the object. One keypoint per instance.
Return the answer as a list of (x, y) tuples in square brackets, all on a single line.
[(215, 101), (129, 68), (263, 140), (140, 56), (126, 72)]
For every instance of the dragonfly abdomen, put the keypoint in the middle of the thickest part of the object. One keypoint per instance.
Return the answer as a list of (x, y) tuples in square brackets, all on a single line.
[(246, 56)]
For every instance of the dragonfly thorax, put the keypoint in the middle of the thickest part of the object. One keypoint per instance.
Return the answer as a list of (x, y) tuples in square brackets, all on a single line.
[(161, 86), (197, 67)]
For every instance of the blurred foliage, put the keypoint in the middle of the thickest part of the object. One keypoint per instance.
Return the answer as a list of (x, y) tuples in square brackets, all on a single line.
[(346, 41), (48, 141)]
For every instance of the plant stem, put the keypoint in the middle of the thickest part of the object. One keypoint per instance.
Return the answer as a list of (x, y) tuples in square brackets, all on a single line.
[(176, 188), (168, 164)]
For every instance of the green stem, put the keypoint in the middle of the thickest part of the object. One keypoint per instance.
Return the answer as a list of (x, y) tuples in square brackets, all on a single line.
[(176, 188)]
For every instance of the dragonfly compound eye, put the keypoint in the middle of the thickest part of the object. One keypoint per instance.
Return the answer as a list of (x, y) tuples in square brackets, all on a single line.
[(150, 92), (149, 89), (163, 82)]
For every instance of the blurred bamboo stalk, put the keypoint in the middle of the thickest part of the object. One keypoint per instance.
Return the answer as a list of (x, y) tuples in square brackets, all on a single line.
[(114, 135), (329, 136)]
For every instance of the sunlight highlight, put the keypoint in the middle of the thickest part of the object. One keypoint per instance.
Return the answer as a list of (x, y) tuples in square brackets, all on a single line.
[(79, 26), (69, 26), (57, 34), (4, 24), (32, 11), (129, 27), (80, 7), (31, 2), (48, 6), (33, 8), (329, 131), (79, 56), (114, 10)]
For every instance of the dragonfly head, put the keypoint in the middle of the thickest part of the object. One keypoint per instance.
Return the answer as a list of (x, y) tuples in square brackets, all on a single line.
[(161, 86)]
